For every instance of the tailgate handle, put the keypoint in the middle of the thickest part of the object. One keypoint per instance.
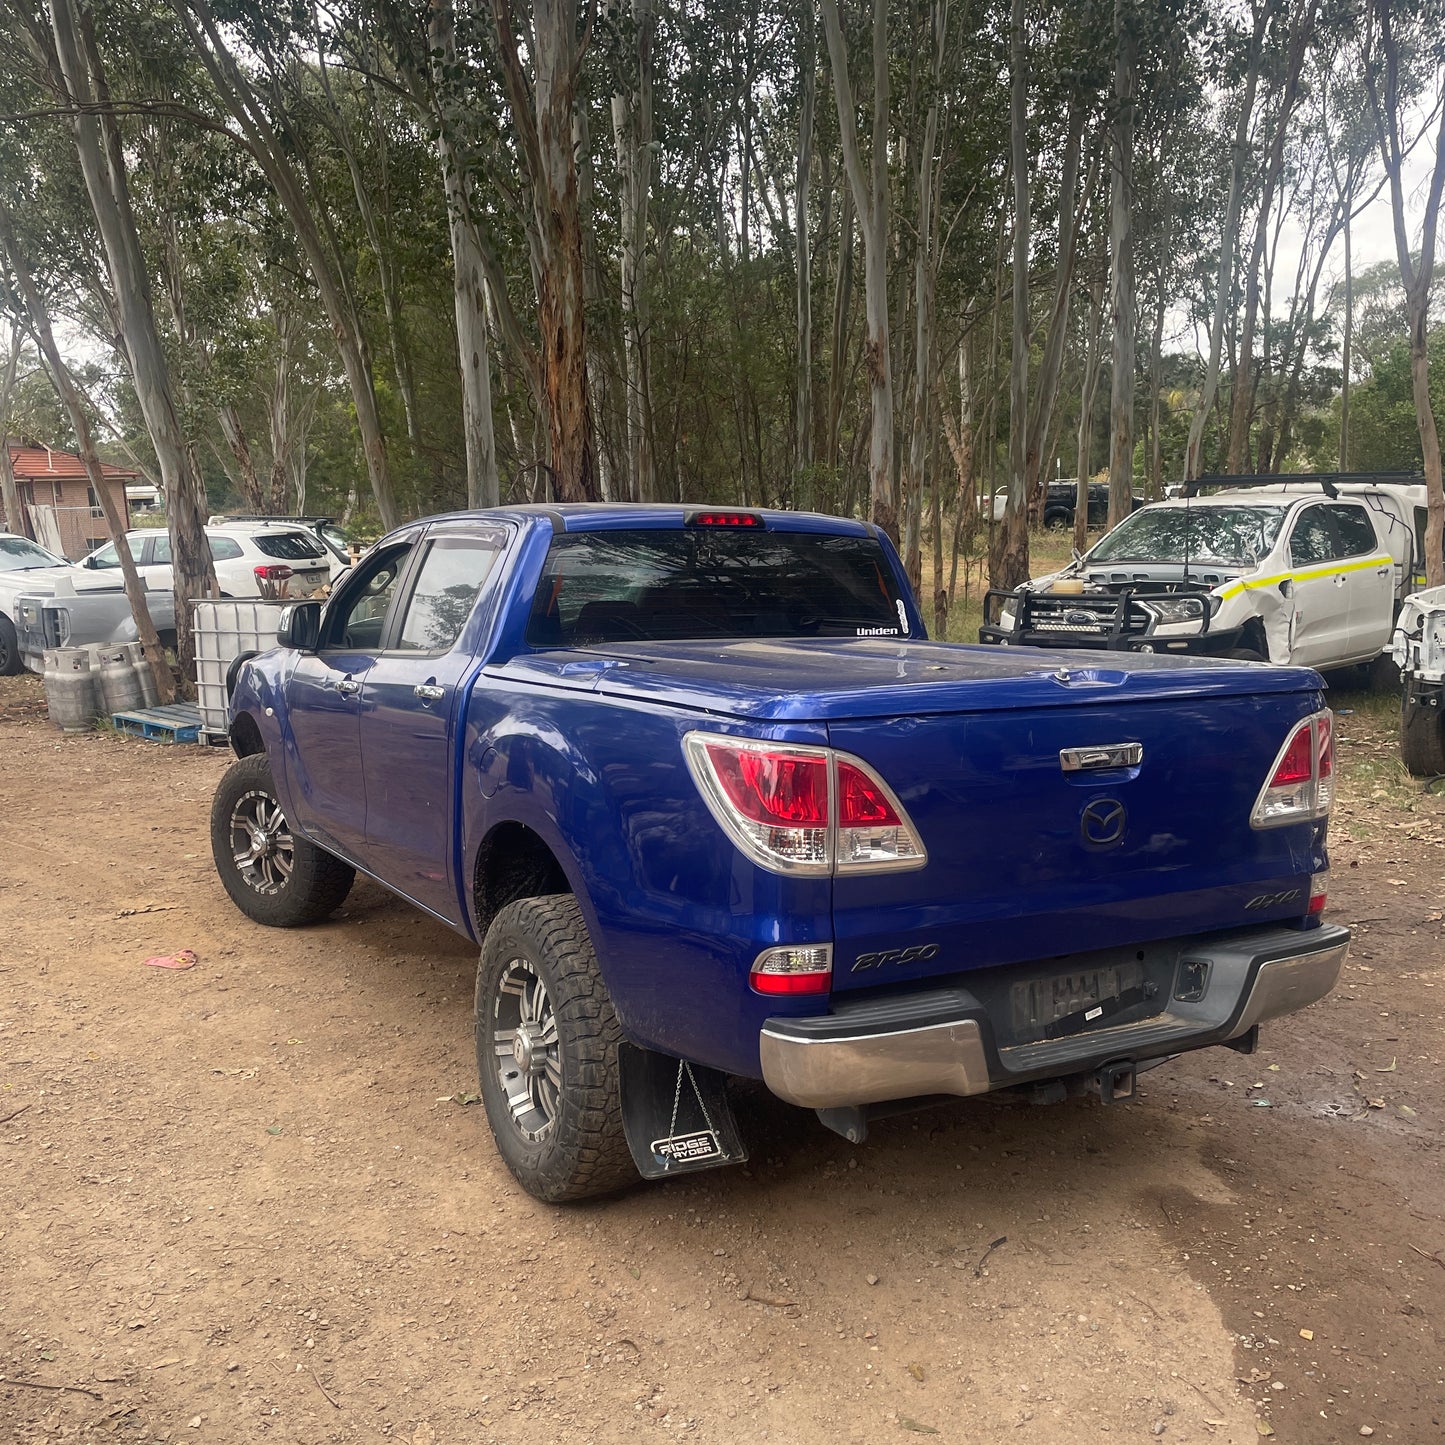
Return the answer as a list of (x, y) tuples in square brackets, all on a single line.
[(1107, 755)]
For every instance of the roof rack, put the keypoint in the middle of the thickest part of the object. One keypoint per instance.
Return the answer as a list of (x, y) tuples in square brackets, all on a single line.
[(1329, 481)]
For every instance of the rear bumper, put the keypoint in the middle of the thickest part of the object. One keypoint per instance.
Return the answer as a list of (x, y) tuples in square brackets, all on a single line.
[(942, 1041)]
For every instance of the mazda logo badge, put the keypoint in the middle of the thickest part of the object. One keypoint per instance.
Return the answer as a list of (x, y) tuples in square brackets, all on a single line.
[(1103, 822)]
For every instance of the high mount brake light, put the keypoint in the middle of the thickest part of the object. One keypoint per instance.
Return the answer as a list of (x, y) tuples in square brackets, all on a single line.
[(802, 809), (723, 519), (1301, 784)]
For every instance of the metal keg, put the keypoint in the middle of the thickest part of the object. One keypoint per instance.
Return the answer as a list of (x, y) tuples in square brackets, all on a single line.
[(70, 690), (119, 686), (146, 679)]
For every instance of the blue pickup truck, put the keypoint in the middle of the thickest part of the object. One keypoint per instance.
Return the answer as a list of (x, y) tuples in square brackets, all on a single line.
[(713, 807)]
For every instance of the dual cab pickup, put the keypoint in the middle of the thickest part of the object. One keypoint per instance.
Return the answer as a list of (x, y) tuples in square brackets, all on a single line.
[(712, 805)]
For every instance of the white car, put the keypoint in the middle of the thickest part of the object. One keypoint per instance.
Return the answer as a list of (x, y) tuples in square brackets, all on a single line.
[(1292, 573), (24, 567), (256, 560)]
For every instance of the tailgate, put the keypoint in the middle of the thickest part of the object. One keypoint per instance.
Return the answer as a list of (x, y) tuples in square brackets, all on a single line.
[(1028, 861)]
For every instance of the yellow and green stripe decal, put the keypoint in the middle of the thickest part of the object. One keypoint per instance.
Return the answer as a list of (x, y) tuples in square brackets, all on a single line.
[(1308, 574)]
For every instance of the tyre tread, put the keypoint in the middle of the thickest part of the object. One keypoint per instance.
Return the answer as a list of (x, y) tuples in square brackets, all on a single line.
[(587, 1153)]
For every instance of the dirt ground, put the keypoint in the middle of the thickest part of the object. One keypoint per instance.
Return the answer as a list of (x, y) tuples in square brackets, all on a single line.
[(246, 1202)]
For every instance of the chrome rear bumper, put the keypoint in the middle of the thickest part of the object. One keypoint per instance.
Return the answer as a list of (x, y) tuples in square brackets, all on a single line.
[(942, 1041)]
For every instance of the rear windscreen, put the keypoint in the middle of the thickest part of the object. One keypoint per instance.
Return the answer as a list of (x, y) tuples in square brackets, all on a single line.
[(289, 546), (655, 586)]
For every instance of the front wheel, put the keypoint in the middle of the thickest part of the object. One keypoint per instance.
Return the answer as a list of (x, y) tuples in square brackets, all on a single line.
[(547, 1041), (10, 662), (273, 875)]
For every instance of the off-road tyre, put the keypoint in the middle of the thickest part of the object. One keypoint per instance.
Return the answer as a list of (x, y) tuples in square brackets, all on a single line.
[(1422, 739), (10, 662), (562, 1137), (296, 883)]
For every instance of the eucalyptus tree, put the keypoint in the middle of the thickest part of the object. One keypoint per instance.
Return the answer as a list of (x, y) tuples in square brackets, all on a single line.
[(1389, 38)]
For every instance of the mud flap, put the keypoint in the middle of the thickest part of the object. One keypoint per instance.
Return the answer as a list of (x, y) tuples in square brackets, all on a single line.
[(676, 1115)]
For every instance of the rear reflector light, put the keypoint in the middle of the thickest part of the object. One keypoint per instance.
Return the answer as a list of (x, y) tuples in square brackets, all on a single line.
[(807, 969), (1300, 786), (273, 572), (802, 809), (723, 519)]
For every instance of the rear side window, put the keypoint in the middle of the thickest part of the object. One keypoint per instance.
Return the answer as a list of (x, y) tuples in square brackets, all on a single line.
[(225, 549), (1357, 534), (655, 586), (452, 573), (288, 546)]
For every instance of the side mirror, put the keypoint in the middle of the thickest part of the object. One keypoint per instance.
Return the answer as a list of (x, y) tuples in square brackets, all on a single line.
[(90, 562), (300, 626)]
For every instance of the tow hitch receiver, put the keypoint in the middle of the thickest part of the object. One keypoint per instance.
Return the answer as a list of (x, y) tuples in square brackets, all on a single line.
[(1116, 1082)]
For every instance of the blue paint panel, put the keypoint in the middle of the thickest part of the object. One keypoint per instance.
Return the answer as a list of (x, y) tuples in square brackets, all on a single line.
[(1011, 874)]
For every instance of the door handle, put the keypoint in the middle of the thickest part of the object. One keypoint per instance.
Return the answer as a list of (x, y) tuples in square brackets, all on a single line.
[(347, 687), (429, 691), (1339, 579)]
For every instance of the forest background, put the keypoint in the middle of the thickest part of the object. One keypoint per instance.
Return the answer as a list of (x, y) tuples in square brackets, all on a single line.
[(378, 260)]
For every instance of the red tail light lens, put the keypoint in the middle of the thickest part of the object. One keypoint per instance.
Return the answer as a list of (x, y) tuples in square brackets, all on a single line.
[(773, 787), (1301, 783), (1318, 896), (1297, 764), (862, 802), (273, 572), (804, 969), (802, 810)]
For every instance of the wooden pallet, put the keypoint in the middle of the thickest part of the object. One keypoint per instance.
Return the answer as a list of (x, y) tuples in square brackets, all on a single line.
[(178, 722)]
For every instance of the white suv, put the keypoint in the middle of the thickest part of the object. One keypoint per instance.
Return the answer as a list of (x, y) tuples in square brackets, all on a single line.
[(250, 561), (1306, 573)]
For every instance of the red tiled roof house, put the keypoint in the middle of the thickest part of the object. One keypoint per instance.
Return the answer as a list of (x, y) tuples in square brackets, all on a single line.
[(61, 511)]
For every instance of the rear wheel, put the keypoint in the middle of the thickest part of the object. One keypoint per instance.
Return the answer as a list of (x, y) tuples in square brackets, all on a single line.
[(273, 875), (547, 1041), (1422, 738)]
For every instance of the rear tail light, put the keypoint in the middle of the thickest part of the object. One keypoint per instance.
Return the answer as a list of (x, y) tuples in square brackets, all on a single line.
[(273, 572), (1318, 895), (1301, 785), (802, 809), (799, 969)]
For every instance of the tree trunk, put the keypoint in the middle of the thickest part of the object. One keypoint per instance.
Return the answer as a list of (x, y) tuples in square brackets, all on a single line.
[(803, 406), (1121, 272), (65, 389), (1009, 553), (235, 433), (925, 266), (97, 144), (275, 161), (1415, 275), (632, 136), (543, 108), (14, 518), (1087, 392), (842, 313), (1242, 395), (870, 199), (1224, 278), (1344, 461)]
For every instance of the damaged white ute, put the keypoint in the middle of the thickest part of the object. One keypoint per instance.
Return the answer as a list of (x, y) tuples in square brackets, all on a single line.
[(1287, 574)]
